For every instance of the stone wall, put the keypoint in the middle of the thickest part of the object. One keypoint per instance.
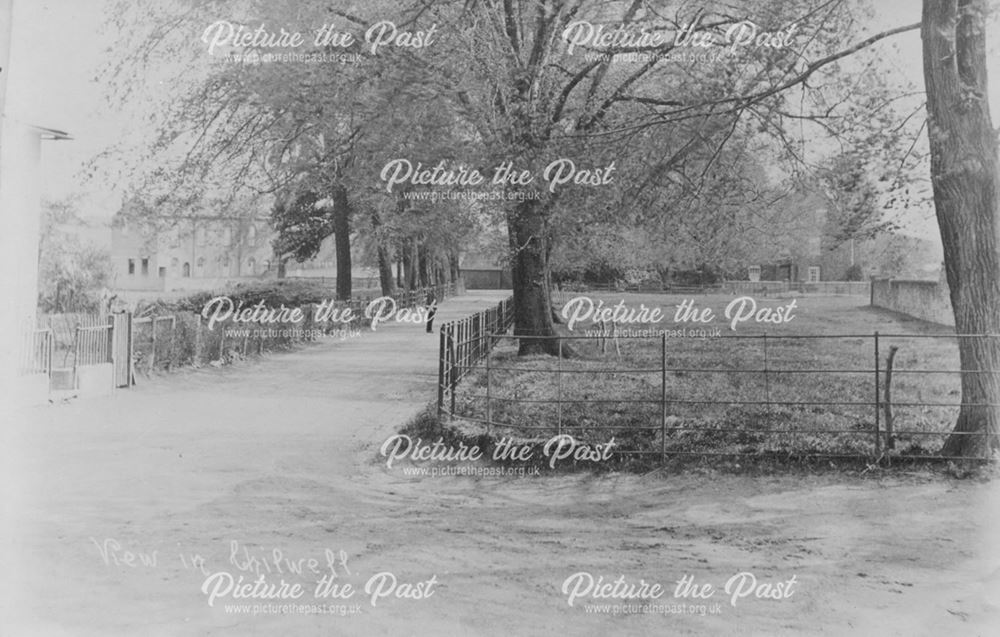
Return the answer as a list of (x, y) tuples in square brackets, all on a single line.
[(925, 300)]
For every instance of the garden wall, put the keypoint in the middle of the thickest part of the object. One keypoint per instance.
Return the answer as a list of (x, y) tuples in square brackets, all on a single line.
[(925, 300)]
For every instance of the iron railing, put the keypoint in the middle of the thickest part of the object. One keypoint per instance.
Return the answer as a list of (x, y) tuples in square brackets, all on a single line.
[(36, 352), (865, 416), (465, 343)]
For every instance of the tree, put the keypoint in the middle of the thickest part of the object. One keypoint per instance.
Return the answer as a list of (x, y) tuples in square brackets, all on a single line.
[(71, 273), (966, 186), (304, 220), (530, 99), (287, 131)]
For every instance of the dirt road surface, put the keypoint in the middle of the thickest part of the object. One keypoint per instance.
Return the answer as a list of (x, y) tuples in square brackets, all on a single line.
[(204, 475)]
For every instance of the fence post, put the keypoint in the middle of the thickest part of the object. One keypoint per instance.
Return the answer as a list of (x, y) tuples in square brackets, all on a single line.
[(130, 354), (173, 341), (481, 340), (152, 354), (489, 411), (484, 349), (878, 405), (197, 338), (108, 358), (559, 390), (76, 351), (767, 380), (453, 380), (463, 346), (663, 397), (50, 339), (222, 342), (441, 353)]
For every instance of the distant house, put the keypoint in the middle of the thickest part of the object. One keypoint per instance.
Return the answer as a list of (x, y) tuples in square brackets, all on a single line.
[(480, 272), (891, 255), (830, 266), (191, 252), (196, 252)]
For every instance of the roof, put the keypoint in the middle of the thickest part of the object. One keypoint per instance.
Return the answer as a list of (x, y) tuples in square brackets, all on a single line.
[(50, 133)]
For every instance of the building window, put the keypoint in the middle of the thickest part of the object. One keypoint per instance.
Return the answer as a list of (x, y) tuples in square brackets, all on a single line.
[(186, 272), (162, 272), (145, 267), (754, 272), (131, 266), (814, 274), (201, 262), (252, 265), (252, 235)]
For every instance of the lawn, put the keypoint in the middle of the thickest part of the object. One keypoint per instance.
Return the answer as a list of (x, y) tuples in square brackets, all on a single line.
[(804, 387)]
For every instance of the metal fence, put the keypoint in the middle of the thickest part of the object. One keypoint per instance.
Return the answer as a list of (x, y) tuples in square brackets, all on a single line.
[(874, 396), (168, 341), (92, 345), (466, 342), (69, 341), (36, 351), (44, 352)]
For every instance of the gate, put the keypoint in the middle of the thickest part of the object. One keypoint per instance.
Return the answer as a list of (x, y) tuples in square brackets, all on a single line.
[(121, 349)]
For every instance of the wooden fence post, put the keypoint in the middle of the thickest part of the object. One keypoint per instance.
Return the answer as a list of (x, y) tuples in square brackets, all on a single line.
[(222, 341), (173, 341), (131, 348), (152, 355), (197, 339), (76, 351)]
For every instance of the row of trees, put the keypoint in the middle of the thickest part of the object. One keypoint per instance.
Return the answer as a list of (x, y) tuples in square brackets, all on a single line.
[(711, 158)]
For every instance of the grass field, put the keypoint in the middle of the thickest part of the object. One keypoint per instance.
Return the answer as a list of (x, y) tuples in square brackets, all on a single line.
[(816, 397)]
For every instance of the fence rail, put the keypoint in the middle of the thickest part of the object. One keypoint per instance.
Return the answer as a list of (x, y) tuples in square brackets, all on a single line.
[(36, 351), (766, 393), (92, 345), (70, 341), (466, 342)]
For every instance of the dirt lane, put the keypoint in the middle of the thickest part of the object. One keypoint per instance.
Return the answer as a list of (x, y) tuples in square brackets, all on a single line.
[(280, 455)]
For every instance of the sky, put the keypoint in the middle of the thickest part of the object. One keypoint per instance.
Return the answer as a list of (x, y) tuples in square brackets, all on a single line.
[(56, 50), (59, 47)]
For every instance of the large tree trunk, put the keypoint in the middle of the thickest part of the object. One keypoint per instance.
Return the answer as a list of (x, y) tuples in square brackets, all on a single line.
[(410, 263), (423, 266), (966, 181), (342, 241), (385, 279), (455, 271), (528, 237)]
